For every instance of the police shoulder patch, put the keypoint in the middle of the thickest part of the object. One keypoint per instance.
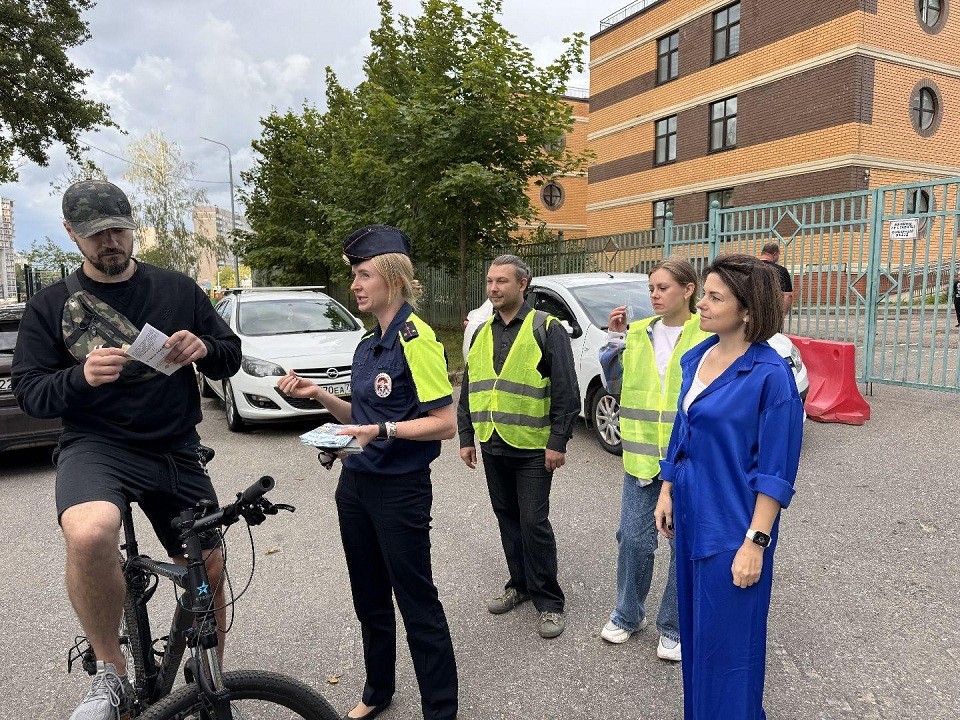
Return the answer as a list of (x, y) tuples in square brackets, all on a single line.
[(409, 331)]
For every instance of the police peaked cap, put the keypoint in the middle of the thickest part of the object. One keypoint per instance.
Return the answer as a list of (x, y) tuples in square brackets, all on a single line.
[(373, 240)]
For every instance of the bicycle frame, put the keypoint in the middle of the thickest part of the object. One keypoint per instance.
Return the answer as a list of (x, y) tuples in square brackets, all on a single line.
[(192, 612)]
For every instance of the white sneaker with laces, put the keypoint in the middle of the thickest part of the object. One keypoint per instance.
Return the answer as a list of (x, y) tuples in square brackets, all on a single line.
[(106, 698), (667, 649), (617, 635)]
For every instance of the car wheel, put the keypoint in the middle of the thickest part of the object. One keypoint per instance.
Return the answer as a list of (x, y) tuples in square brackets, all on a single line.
[(234, 421), (605, 418), (205, 390)]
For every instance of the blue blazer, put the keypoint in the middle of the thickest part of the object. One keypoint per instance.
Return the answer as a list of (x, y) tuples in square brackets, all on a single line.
[(740, 437)]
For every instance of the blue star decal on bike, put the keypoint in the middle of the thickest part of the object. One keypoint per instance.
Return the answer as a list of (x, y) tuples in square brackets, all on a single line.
[(203, 589)]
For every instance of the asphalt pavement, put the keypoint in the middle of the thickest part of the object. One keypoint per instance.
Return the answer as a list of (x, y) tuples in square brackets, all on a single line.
[(865, 620)]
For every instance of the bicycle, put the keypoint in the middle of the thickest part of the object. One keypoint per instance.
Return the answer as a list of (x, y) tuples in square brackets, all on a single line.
[(153, 663)]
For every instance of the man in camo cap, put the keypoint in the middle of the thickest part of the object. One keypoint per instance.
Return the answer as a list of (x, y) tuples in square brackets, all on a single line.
[(124, 439)]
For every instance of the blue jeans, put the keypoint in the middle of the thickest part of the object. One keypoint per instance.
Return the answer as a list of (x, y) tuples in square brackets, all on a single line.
[(636, 543)]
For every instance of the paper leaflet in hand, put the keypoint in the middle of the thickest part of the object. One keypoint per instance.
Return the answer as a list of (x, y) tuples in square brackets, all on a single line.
[(325, 438)]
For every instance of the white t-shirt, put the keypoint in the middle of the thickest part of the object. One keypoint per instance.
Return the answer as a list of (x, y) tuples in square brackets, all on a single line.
[(696, 387), (665, 339)]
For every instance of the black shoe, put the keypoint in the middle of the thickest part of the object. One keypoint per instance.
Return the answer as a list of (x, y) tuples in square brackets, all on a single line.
[(377, 709)]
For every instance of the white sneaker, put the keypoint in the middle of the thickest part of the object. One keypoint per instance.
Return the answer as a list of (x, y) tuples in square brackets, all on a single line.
[(617, 635), (667, 649)]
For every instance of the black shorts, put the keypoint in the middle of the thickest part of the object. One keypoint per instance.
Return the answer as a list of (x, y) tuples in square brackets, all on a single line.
[(163, 484)]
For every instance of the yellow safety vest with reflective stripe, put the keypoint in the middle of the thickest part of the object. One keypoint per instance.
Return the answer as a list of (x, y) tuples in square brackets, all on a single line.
[(515, 403), (647, 410)]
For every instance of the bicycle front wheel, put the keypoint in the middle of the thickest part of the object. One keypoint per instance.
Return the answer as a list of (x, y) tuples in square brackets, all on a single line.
[(253, 694)]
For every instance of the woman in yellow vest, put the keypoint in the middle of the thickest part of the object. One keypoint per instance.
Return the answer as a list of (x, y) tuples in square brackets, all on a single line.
[(644, 369)]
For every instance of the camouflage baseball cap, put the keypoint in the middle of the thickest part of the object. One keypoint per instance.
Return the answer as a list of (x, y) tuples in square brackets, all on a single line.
[(91, 206)]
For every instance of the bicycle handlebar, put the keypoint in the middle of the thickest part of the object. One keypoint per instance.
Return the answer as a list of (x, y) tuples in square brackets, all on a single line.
[(250, 504)]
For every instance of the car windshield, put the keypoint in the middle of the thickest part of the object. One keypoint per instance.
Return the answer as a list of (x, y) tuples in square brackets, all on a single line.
[(287, 317), (598, 300)]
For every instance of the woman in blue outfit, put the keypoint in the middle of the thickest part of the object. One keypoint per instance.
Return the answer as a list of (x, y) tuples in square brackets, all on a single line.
[(641, 364), (402, 407), (729, 469)]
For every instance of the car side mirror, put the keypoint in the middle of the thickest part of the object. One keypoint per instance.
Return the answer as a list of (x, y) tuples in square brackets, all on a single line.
[(573, 331)]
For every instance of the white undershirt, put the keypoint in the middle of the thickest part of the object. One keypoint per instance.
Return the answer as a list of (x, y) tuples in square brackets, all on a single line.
[(697, 386), (665, 339)]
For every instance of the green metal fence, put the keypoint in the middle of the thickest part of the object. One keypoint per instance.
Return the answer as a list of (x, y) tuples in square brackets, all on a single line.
[(852, 280)]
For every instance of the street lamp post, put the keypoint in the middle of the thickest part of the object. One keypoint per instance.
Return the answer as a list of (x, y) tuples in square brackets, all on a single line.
[(233, 217)]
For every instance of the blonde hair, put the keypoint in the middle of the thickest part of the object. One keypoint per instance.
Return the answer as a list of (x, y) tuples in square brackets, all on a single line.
[(684, 273), (397, 269)]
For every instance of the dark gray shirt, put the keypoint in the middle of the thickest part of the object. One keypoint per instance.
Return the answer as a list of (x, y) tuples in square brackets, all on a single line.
[(556, 364)]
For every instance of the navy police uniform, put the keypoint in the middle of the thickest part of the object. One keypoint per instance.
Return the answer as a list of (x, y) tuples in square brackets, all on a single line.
[(385, 495)]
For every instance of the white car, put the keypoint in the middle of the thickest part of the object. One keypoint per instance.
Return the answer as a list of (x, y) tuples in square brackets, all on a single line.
[(582, 302), (280, 329)]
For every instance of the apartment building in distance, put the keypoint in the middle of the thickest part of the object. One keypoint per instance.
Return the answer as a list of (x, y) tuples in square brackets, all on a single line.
[(213, 222), (758, 101), (561, 202), (8, 273)]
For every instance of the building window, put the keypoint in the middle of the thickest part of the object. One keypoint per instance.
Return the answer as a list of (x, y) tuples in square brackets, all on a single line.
[(723, 124), (726, 32), (666, 142), (668, 57), (660, 210), (931, 14), (925, 108), (725, 199), (918, 203), (556, 146), (552, 196)]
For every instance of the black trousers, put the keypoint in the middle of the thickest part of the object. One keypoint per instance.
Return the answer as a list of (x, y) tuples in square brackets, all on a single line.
[(385, 527), (520, 494), (956, 306)]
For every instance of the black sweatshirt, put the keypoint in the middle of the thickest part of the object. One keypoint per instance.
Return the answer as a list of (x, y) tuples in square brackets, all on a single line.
[(158, 415)]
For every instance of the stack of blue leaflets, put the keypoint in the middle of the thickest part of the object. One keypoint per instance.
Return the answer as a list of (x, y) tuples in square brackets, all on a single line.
[(326, 438)]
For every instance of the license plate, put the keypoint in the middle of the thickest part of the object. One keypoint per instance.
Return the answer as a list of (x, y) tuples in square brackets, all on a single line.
[(339, 390), (6, 384)]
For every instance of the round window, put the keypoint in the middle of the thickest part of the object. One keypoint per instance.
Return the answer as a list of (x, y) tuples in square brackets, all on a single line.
[(925, 108), (552, 195), (931, 14)]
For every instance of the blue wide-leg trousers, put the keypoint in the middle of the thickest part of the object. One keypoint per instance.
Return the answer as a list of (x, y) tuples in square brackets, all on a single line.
[(723, 629)]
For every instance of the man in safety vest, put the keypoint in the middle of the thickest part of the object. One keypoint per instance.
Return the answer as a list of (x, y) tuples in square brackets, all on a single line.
[(520, 398)]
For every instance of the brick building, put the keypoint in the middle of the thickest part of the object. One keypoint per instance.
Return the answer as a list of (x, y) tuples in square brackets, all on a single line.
[(764, 100), (561, 202), (213, 222)]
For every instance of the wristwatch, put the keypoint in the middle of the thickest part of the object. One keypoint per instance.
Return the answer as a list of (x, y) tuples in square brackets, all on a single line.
[(386, 430), (760, 538)]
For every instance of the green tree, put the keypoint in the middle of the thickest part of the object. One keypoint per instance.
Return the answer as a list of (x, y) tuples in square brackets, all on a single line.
[(442, 138), (47, 255), (226, 278), (162, 201), (41, 90)]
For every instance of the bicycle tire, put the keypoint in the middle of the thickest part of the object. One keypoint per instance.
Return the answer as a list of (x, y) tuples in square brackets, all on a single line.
[(133, 650), (272, 690)]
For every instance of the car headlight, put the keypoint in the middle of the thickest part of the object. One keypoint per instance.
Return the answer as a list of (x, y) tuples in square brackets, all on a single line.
[(796, 359), (260, 368)]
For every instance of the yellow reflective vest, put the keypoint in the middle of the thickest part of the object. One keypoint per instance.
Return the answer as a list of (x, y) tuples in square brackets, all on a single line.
[(647, 410), (515, 403)]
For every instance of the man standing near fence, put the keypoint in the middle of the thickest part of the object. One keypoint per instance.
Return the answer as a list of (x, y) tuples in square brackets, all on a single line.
[(956, 297), (520, 398), (771, 254)]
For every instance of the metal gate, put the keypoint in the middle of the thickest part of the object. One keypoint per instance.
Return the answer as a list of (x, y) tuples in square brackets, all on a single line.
[(862, 275)]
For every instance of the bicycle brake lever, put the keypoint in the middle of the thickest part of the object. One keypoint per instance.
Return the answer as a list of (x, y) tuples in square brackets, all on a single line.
[(277, 507)]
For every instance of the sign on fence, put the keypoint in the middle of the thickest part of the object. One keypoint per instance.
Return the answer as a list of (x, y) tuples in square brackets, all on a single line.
[(907, 229)]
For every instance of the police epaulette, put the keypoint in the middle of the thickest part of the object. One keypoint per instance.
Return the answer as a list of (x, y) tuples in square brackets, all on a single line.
[(409, 331)]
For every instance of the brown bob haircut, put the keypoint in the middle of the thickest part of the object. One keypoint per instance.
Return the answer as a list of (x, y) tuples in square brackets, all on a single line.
[(757, 288)]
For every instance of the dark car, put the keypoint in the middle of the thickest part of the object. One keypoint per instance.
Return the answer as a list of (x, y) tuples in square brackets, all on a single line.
[(17, 430)]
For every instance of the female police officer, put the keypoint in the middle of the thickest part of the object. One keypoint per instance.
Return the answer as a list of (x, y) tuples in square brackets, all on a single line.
[(403, 407)]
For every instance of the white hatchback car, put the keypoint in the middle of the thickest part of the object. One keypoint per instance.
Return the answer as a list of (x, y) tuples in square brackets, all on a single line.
[(280, 329), (582, 302)]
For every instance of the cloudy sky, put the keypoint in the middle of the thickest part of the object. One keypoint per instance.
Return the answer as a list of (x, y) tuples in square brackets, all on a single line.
[(215, 67)]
